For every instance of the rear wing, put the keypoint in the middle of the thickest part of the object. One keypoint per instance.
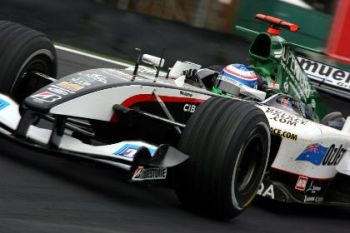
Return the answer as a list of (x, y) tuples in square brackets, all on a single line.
[(327, 78)]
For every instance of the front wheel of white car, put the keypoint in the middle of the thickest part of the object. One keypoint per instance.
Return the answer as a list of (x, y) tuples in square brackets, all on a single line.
[(228, 143), (24, 51)]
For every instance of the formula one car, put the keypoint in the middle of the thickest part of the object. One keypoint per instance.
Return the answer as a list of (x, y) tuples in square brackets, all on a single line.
[(136, 120), (160, 127)]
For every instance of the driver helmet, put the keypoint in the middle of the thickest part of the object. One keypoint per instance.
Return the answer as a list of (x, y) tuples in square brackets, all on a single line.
[(233, 76)]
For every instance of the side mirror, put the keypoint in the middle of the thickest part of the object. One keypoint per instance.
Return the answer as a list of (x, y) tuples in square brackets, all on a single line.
[(153, 60), (181, 66)]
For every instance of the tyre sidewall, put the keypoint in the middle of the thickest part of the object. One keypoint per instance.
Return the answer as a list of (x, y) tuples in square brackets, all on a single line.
[(19, 47), (34, 50)]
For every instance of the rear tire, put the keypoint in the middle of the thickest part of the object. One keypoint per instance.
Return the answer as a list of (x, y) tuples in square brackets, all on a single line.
[(228, 143), (23, 51)]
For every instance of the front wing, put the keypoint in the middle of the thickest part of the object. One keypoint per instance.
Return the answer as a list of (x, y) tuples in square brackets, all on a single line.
[(139, 161)]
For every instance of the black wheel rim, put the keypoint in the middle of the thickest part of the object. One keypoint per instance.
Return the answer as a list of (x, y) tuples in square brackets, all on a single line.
[(250, 167), (248, 164)]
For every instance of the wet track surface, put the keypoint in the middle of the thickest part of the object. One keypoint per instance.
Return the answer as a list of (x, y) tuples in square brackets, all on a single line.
[(45, 194)]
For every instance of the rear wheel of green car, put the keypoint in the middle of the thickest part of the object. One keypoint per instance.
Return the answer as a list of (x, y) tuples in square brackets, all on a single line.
[(228, 143), (24, 51)]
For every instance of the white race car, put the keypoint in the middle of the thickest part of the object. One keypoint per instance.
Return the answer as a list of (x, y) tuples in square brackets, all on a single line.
[(168, 128)]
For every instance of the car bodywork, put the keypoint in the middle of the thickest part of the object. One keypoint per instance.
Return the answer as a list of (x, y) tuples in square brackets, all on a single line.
[(132, 119), (305, 156), (93, 94)]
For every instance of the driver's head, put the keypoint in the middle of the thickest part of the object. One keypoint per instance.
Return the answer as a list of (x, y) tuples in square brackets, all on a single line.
[(233, 75)]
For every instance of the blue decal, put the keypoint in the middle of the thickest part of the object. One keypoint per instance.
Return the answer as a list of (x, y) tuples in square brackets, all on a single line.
[(314, 154), (129, 150), (3, 104)]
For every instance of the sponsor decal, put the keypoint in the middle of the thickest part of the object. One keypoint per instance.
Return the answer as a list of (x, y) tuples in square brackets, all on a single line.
[(86, 80), (80, 81), (301, 183), (184, 93), (290, 63), (189, 108), (116, 73), (318, 154), (61, 90), (313, 199), (46, 96), (313, 188), (3, 104), (285, 118), (142, 174), (268, 191), (72, 87), (96, 77), (57, 91), (333, 156), (324, 73), (284, 134), (129, 150)]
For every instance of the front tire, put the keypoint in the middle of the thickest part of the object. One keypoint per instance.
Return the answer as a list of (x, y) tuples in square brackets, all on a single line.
[(228, 143), (24, 51)]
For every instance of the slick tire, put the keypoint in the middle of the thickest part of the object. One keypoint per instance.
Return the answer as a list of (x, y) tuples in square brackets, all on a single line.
[(24, 51), (228, 143)]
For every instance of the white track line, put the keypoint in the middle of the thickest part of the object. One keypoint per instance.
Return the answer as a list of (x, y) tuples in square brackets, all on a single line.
[(59, 47)]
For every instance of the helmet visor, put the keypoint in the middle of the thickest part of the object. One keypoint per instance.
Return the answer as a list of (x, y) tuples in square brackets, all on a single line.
[(227, 85)]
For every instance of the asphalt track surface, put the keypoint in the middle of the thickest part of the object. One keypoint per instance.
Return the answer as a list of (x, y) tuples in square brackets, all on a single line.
[(54, 195), (106, 30)]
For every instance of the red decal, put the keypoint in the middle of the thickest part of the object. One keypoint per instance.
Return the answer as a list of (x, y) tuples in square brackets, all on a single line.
[(301, 183)]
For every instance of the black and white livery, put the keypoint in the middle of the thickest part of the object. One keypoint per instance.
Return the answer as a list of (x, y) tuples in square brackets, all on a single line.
[(151, 127), (166, 128)]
